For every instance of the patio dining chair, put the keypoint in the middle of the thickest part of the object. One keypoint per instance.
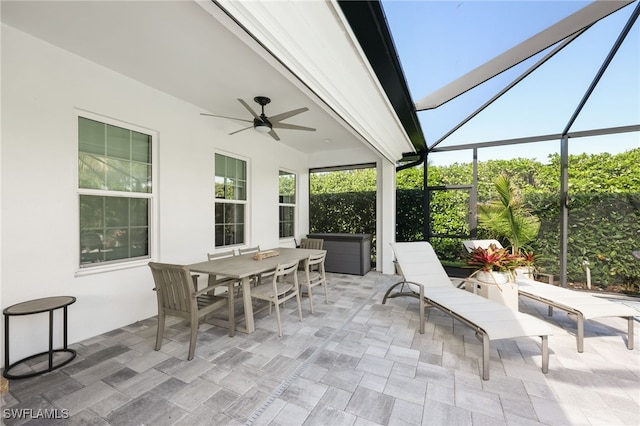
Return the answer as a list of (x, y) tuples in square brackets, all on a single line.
[(312, 243), (249, 250), (220, 255), (259, 278), (178, 297), (283, 286), (233, 289), (313, 275)]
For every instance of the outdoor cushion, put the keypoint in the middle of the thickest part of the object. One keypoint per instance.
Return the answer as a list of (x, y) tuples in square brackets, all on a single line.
[(582, 305), (427, 280)]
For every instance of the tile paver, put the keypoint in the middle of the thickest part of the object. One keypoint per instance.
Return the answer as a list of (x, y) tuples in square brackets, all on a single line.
[(354, 362)]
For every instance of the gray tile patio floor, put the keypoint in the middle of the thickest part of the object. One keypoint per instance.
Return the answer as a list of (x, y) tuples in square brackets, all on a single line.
[(354, 362)]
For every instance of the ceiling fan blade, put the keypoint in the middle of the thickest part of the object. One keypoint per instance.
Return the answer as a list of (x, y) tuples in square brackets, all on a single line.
[(274, 135), (223, 116), (246, 128), (292, 127), (274, 119), (249, 108)]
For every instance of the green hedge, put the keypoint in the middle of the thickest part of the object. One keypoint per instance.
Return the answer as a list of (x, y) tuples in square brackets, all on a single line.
[(346, 212), (603, 231), (604, 214)]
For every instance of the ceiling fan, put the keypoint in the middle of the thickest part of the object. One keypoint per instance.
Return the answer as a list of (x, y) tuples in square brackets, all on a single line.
[(264, 124)]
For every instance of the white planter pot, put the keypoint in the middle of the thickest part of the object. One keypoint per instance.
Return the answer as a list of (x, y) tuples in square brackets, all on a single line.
[(496, 286), (525, 272), (492, 277)]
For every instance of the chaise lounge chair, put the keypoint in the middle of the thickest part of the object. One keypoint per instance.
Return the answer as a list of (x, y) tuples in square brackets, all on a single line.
[(583, 306), (425, 279)]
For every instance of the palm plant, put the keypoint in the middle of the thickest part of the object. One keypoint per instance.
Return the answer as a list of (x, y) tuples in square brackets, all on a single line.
[(507, 217)]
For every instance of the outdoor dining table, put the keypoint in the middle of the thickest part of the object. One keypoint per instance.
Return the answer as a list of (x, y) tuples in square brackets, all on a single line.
[(244, 267)]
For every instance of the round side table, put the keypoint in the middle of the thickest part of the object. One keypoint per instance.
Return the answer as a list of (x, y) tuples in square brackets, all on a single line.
[(47, 304)]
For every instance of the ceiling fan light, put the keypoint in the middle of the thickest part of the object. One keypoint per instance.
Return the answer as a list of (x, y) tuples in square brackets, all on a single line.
[(262, 128)]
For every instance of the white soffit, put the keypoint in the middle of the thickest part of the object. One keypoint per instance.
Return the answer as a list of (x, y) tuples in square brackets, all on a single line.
[(191, 50), (544, 39), (314, 41)]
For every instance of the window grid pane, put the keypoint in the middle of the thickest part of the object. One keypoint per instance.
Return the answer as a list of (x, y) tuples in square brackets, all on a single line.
[(118, 143), (229, 224), (287, 202), (140, 147), (113, 228), (287, 222), (111, 158), (91, 135), (91, 171), (287, 185), (230, 194), (230, 178)]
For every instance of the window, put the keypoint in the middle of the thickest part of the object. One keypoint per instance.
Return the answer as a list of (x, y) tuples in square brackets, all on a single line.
[(287, 204), (115, 190), (230, 201)]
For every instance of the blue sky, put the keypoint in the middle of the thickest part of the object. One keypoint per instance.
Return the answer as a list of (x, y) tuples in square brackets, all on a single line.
[(439, 41)]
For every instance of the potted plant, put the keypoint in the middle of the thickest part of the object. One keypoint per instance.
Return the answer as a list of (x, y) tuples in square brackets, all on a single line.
[(494, 275), (493, 264), (526, 267), (507, 218)]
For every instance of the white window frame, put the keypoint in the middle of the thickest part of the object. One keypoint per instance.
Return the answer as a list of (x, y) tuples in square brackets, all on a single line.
[(294, 205), (151, 196), (247, 213)]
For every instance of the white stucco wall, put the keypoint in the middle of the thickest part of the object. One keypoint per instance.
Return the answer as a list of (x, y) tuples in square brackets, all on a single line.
[(42, 89)]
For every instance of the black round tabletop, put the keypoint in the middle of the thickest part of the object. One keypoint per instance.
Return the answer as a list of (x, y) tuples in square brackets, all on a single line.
[(39, 305)]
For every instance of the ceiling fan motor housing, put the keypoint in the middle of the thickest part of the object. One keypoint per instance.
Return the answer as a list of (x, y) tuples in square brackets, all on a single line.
[(262, 100), (262, 124)]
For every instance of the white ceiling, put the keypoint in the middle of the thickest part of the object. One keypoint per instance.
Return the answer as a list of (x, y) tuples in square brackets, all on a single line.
[(205, 60)]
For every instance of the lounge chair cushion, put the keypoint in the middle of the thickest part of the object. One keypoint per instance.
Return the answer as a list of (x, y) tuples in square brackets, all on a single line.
[(424, 274), (583, 305), (589, 305)]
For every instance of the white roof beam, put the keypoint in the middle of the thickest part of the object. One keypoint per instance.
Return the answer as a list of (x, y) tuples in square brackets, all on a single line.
[(548, 37)]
